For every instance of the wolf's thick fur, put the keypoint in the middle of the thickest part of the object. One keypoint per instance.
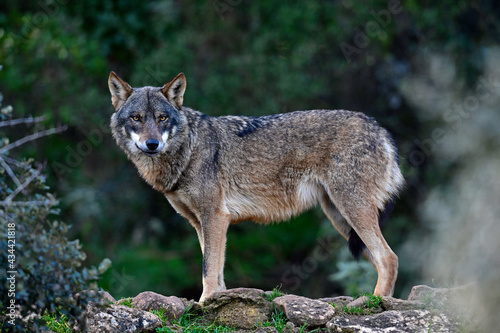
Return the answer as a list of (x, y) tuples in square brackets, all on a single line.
[(221, 170)]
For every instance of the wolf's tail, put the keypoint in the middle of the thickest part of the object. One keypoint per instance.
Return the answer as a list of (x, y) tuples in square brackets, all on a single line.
[(356, 245)]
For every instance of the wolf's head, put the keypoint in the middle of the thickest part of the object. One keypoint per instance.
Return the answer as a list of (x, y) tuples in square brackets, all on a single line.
[(146, 118)]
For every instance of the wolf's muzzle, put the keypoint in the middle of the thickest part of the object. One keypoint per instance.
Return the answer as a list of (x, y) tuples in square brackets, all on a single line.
[(152, 144)]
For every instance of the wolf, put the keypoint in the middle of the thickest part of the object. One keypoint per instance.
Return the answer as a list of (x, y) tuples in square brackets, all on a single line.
[(218, 171)]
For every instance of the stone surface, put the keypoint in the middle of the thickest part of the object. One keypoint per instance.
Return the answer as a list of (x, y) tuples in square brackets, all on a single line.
[(419, 293), (391, 303), (301, 310), (338, 301), (265, 330), (411, 321), (290, 328), (239, 308), (119, 319), (453, 302), (440, 296), (107, 298), (246, 310), (148, 300), (191, 306)]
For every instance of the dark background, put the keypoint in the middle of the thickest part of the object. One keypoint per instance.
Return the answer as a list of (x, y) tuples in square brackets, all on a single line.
[(425, 70)]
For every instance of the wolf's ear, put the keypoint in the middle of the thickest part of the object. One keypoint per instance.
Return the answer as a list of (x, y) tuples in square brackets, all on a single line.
[(120, 90), (174, 90)]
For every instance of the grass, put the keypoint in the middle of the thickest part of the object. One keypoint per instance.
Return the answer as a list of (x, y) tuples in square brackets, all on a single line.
[(58, 324), (372, 303), (190, 323), (126, 302), (278, 320), (276, 292)]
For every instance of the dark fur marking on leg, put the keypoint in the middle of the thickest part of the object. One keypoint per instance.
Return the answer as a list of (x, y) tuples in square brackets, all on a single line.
[(384, 213), (356, 245)]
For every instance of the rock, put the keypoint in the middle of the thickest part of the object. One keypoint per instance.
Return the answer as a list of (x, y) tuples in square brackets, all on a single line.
[(265, 330), (148, 300), (125, 301), (452, 302), (301, 310), (191, 305), (338, 301), (391, 303), (411, 321), (420, 293), (239, 308), (119, 319), (290, 328), (440, 297), (107, 298)]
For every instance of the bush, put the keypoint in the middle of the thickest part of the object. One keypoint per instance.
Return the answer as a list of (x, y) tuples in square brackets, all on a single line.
[(40, 269)]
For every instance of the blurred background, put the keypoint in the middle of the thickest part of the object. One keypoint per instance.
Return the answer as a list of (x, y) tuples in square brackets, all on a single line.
[(427, 71)]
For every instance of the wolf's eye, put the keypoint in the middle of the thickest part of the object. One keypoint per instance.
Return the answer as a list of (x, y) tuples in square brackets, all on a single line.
[(162, 118), (135, 118)]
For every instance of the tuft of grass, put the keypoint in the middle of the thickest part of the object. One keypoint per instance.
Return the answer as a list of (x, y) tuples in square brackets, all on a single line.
[(161, 314), (126, 302), (189, 323), (275, 293), (57, 323), (278, 320), (372, 303), (357, 310)]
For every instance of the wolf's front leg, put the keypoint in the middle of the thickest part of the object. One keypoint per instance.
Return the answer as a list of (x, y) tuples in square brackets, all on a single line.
[(214, 247)]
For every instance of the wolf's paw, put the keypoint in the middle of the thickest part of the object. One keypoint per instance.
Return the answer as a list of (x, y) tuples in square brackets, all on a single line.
[(359, 302)]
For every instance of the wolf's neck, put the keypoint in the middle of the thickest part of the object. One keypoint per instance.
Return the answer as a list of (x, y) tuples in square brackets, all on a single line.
[(163, 172)]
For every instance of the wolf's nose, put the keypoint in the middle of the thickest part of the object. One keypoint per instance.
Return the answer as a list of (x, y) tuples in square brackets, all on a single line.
[(152, 144)]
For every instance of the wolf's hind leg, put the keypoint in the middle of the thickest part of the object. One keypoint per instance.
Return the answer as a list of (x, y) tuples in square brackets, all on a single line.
[(333, 214), (364, 221), (358, 221)]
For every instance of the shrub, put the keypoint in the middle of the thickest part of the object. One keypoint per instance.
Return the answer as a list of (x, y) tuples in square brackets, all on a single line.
[(41, 270)]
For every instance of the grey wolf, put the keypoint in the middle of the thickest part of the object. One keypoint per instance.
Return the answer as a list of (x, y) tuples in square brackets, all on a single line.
[(217, 171)]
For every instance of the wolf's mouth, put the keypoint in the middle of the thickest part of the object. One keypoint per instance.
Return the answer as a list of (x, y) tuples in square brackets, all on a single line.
[(150, 153)]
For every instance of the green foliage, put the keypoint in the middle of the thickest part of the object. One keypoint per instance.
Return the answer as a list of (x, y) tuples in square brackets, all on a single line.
[(40, 268), (276, 292), (192, 323), (126, 302), (355, 277), (162, 315), (372, 304), (57, 323), (278, 320), (373, 301), (358, 310)]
